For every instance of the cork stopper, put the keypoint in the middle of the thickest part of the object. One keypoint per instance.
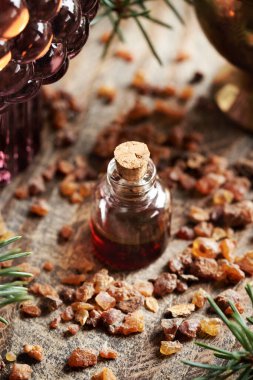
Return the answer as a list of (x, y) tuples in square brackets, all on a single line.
[(132, 160)]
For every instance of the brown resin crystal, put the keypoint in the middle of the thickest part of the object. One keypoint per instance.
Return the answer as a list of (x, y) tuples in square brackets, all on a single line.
[(29, 309), (199, 298), (185, 233), (72, 329), (21, 192), (122, 291), (170, 327), (73, 279), (82, 358), (238, 215), (48, 266), (21, 372), (210, 326), (146, 288), (66, 232), (205, 269), (238, 186), (67, 315), (180, 310), (104, 374), (176, 265), (205, 247), (131, 304), (105, 301), (133, 323), (10, 357), (222, 196), (189, 328), (67, 295), (229, 272), (36, 186), (223, 299), (151, 304), (181, 286), (49, 172), (101, 280), (34, 351), (81, 316), (42, 290), (107, 93), (112, 319), (94, 318), (51, 303), (166, 283), (55, 323), (40, 208), (79, 306), (64, 167), (227, 247), (85, 292), (124, 54), (169, 348), (203, 229), (197, 214), (108, 353), (246, 262)]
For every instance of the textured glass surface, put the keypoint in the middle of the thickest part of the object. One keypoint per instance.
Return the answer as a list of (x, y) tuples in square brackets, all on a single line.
[(36, 40), (20, 126)]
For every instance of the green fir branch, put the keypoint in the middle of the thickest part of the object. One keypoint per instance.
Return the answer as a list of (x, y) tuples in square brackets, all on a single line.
[(237, 363), (15, 291), (138, 10)]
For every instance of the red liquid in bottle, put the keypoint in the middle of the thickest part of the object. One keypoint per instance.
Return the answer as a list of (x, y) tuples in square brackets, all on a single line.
[(127, 256)]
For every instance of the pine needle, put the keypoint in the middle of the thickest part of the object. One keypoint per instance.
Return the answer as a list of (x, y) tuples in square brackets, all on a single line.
[(15, 291), (138, 10), (239, 363)]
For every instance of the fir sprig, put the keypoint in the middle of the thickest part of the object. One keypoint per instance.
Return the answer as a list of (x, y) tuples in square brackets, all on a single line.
[(238, 363), (14, 291), (138, 10), (249, 291)]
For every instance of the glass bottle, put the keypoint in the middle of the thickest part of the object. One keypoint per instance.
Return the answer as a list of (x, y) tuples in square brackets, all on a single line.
[(130, 220)]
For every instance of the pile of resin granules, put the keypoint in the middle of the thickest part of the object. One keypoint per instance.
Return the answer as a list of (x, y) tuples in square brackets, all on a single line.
[(88, 300)]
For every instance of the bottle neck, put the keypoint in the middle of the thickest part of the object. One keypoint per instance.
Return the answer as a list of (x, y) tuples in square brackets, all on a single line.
[(131, 190)]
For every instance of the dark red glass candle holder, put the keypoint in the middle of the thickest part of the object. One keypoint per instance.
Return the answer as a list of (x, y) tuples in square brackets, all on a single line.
[(37, 40), (20, 129)]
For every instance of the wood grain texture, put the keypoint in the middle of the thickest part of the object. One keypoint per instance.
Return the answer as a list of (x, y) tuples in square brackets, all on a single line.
[(138, 355)]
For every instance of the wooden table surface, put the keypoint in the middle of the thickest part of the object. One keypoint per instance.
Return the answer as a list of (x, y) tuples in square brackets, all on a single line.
[(139, 354)]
